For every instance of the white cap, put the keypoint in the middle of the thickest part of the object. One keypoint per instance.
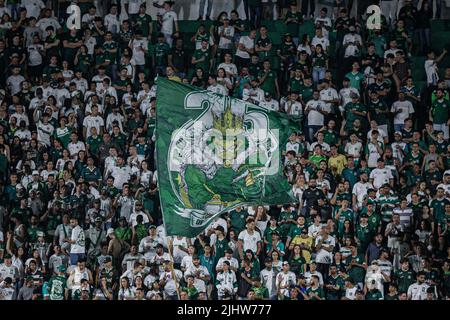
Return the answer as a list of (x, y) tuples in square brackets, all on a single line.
[(35, 172), (110, 231)]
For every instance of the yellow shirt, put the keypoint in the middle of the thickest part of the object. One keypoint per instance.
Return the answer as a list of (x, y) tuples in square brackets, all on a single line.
[(308, 242), (174, 78), (337, 163)]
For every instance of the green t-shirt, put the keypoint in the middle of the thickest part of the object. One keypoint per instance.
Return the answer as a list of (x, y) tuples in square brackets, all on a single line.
[(357, 273), (404, 279), (286, 227), (350, 116), (57, 286), (142, 23), (306, 92), (161, 52), (440, 112), (295, 84), (374, 295), (292, 26), (205, 64), (318, 291), (335, 294), (319, 61), (94, 143), (355, 79), (438, 206), (380, 118), (110, 46), (269, 83), (238, 220)]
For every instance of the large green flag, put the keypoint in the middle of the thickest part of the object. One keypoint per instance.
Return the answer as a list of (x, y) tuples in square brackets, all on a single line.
[(215, 153)]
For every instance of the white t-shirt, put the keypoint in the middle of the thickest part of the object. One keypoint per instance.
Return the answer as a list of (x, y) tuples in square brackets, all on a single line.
[(405, 107), (250, 241), (345, 95), (324, 256), (373, 154), (74, 148), (90, 122), (329, 94), (133, 6), (248, 44), (418, 291), (45, 131), (79, 237), (218, 88), (228, 67), (295, 106), (138, 53), (225, 43), (168, 19), (354, 149), (324, 42), (272, 105), (112, 23), (360, 190), (380, 176), (34, 56), (431, 70), (33, 7), (315, 117)]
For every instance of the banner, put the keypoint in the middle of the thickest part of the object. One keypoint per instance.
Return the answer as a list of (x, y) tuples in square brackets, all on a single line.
[(215, 153)]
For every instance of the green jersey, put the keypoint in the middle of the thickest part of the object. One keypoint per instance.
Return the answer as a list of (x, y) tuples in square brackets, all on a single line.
[(111, 56), (374, 295), (295, 84), (57, 287), (374, 222), (205, 64), (334, 294), (269, 82), (377, 111), (143, 23), (438, 206), (306, 92), (238, 220), (350, 116), (318, 291), (356, 79), (440, 111), (357, 273), (387, 204), (404, 279), (161, 52), (296, 18), (220, 247)]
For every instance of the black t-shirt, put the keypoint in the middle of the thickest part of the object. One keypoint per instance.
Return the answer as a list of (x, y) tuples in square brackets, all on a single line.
[(311, 197), (178, 58)]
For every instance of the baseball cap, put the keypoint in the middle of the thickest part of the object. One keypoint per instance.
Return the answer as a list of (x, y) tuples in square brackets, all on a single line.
[(398, 132), (110, 231), (40, 234), (35, 173), (107, 259), (268, 259), (267, 94), (98, 219), (285, 263)]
